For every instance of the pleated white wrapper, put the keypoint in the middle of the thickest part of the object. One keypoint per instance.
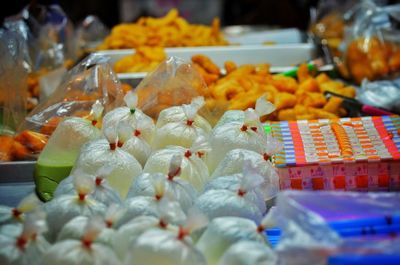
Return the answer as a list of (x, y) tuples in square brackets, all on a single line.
[(161, 247), (114, 117), (125, 236), (62, 209), (220, 203), (248, 253), (233, 164), (73, 252), (193, 169), (230, 136), (10, 254), (102, 193), (97, 153), (75, 229), (138, 148), (221, 233), (148, 206), (182, 191), (232, 183)]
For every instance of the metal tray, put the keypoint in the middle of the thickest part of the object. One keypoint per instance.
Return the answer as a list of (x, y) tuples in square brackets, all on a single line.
[(16, 181)]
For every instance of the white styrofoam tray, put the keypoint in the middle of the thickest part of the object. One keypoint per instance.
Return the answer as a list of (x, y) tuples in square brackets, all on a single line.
[(280, 57)]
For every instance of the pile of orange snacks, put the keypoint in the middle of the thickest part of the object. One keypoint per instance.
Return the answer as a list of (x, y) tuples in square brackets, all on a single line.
[(295, 99), (22, 146), (145, 59), (169, 31), (372, 58)]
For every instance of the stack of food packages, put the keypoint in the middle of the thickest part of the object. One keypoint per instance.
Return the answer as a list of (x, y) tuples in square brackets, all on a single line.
[(174, 191), (363, 39)]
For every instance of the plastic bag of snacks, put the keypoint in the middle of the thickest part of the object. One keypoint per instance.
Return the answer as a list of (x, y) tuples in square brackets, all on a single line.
[(24, 244), (62, 209), (193, 169), (16, 215), (223, 232), (174, 83), (256, 254), (183, 191), (373, 43), (102, 190), (97, 153), (181, 125), (158, 246), (84, 251), (238, 129)]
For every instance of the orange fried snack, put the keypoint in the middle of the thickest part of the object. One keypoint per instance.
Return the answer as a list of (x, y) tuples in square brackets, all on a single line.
[(168, 31), (34, 141), (6, 147), (145, 59)]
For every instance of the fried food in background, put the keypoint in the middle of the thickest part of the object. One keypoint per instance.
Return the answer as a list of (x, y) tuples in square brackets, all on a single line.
[(169, 31), (22, 146), (372, 58), (295, 99), (145, 59)]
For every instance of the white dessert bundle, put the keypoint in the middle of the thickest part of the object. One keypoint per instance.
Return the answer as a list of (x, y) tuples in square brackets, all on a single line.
[(174, 192)]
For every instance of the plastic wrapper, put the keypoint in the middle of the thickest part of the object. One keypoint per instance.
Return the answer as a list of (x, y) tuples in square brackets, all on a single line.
[(167, 247), (75, 228), (129, 232), (192, 169), (147, 184), (221, 233), (102, 191), (142, 124), (62, 209), (256, 254), (90, 33), (235, 133), (235, 183), (373, 46), (234, 160), (316, 225), (174, 83), (384, 94), (180, 125), (10, 215), (97, 153), (24, 244), (83, 251)]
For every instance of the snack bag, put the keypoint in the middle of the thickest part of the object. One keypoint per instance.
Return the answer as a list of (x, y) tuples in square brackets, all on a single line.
[(66, 207), (97, 153), (133, 116), (129, 232), (24, 244), (16, 215), (223, 232), (193, 169), (75, 228), (236, 132), (256, 254), (182, 190), (158, 246), (230, 199), (175, 82), (84, 251), (180, 125), (372, 46), (102, 191), (59, 155)]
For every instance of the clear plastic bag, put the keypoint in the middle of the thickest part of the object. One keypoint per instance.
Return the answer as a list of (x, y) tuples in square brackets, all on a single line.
[(223, 232), (256, 254), (16, 215), (174, 83), (180, 125), (193, 169), (169, 248), (66, 207), (238, 130), (90, 33), (97, 153), (182, 190), (84, 251), (24, 244)]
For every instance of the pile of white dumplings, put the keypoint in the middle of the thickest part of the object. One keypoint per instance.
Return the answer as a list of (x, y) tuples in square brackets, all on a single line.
[(174, 192)]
